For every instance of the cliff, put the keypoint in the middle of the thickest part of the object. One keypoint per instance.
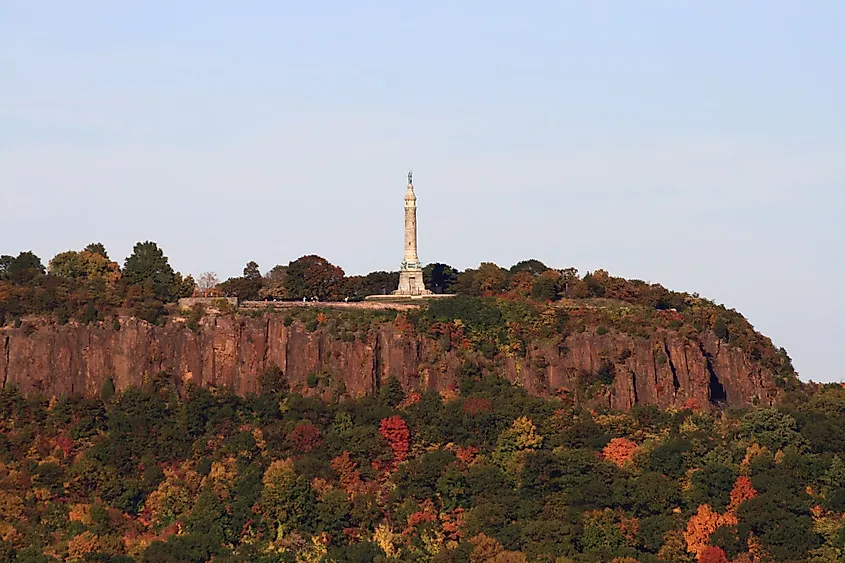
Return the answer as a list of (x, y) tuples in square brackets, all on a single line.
[(234, 351)]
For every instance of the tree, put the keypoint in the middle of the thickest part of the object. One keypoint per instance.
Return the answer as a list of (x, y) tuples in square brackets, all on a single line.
[(713, 555), (85, 266), (593, 282), (347, 472), (287, 498), (771, 428), (712, 484), (21, 269), (391, 392), (619, 451), (305, 437), (568, 276), (701, 526), (246, 287), (515, 442), (491, 278), (314, 276), (273, 285), (251, 271), (395, 431), (546, 286), (97, 248), (107, 390), (147, 263), (531, 266), (742, 491), (440, 278), (207, 284), (521, 283), (374, 283), (272, 381), (185, 287), (785, 535), (668, 458)]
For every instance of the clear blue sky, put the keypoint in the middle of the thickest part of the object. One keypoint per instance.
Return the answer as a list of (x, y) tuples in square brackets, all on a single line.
[(700, 145)]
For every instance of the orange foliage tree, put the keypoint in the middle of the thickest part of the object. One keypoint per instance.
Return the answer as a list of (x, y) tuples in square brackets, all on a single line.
[(701, 526), (619, 451), (347, 471), (743, 490)]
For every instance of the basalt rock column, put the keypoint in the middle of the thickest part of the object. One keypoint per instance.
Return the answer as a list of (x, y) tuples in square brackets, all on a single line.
[(410, 274)]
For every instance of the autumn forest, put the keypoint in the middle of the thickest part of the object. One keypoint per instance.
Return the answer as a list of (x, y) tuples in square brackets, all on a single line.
[(482, 471)]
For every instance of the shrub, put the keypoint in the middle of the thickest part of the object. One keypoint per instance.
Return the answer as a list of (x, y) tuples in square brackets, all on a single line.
[(312, 380)]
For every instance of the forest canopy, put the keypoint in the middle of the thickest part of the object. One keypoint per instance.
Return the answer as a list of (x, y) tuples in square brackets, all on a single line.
[(488, 473)]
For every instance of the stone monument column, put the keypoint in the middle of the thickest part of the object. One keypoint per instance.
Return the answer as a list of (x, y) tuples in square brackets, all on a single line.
[(410, 274), (411, 257)]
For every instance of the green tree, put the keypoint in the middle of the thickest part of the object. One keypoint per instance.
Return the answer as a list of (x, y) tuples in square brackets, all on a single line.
[(21, 269), (391, 392), (712, 485), (771, 428), (668, 458), (246, 287), (545, 288), (107, 390), (440, 278), (147, 263), (785, 535), (531, 266), (374, 283), (287, 498), (251, 271)]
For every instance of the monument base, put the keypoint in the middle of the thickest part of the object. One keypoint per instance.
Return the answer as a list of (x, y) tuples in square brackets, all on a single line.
[(411, 283), (396, 298)]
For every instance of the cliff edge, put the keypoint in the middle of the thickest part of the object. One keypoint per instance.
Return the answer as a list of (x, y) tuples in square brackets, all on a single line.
[(607, 367)]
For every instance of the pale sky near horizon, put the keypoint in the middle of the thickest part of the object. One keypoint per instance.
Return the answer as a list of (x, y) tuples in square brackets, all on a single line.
[(700, 145)]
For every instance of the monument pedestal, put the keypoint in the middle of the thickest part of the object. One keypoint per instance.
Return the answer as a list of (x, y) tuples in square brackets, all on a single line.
[(411, 283)]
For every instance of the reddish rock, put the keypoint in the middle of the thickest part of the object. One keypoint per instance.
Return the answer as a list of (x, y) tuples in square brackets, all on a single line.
[(230, 351)]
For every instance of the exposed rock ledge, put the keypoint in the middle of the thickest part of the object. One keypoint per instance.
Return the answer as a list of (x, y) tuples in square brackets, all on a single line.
[(235, 351)]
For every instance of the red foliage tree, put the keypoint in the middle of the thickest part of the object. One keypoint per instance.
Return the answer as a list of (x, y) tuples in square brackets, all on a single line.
[(314, 276), (692, 404), (395, 431), (713, 555), (305, 437), (477, 405)]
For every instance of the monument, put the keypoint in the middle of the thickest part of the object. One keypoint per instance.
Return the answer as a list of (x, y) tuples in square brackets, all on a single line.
[(410, 273)]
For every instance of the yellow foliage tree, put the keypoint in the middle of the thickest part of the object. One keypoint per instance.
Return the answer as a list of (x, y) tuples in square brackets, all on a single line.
[(513, 443), (387, 539)]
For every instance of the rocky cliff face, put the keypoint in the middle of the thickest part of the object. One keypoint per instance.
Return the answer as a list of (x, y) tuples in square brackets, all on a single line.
[(233, 351)]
